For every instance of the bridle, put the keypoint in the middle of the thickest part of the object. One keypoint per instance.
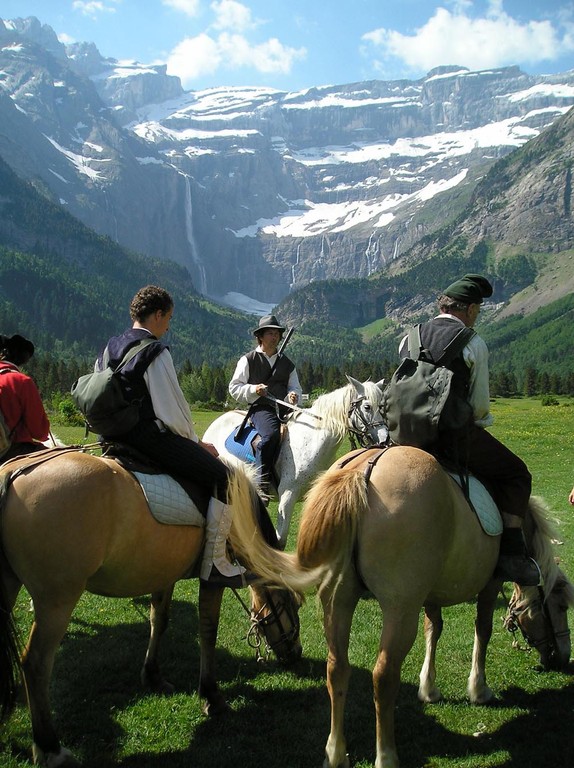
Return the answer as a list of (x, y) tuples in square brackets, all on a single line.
[(517, 608), (271, 613), (362, 431)]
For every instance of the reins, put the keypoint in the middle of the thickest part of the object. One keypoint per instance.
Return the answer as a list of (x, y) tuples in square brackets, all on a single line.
[(360, 436), (256, 636), (512, 623)]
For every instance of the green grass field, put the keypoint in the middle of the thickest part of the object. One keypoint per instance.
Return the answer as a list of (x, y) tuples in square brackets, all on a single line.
[(280, 718)]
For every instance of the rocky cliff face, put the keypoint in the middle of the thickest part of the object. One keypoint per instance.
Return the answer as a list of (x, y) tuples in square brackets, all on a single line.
[(258, 191)]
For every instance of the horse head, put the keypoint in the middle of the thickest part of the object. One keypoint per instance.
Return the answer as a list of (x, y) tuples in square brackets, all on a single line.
[(366, 425), (543, 621), (275, 623)]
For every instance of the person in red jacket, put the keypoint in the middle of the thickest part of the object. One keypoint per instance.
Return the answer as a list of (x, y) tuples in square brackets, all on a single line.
[(20, 401)]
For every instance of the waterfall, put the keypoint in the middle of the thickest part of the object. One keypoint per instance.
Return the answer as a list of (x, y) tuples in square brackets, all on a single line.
[(200, 270)]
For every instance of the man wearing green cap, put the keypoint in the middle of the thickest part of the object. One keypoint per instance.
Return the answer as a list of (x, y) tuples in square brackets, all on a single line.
[(473, 447)]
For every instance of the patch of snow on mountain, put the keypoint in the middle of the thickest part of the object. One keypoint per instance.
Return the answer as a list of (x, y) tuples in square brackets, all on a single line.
[(510, 132), (81, 163), (244, 303), (555, 90)]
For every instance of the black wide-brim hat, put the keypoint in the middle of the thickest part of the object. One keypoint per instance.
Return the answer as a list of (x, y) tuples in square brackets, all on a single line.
[(268, 321), (470, 289), (17, 349)]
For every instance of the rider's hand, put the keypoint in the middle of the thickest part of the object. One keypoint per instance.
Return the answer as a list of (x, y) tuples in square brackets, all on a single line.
[(210, 448), (261, 389), (292, 397)]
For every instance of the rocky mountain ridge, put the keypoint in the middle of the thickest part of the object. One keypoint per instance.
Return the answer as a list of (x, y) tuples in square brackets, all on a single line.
[(256, 191)]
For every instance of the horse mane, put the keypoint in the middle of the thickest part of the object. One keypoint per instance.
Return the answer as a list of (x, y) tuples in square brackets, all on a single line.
[(273, 566), (333, 407), (543, 538)]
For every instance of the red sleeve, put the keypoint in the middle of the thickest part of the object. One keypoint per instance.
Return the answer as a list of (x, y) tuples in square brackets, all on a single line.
[(34, 424)]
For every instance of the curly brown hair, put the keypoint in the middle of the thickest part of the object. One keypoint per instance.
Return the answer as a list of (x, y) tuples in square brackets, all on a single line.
[(148, 300)]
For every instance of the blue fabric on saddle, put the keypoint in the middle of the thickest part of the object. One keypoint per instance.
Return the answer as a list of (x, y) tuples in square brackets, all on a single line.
[(241, 447), (483, 504), (168, 501)]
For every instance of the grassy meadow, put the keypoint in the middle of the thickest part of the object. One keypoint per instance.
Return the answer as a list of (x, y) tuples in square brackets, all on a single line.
[(280, 718)]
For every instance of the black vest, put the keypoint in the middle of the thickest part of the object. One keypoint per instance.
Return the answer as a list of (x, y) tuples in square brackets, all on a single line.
[(435, 337), (259, 373), (132, 374)]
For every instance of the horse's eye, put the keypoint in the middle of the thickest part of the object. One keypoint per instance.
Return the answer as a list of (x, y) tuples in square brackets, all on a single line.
[(367, 406)]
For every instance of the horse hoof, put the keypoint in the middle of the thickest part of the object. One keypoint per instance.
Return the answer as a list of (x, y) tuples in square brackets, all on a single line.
[(216, 708), (62, 759)]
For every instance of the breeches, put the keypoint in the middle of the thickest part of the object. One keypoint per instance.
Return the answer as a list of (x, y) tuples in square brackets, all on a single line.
[(503, 472), (268, 426)]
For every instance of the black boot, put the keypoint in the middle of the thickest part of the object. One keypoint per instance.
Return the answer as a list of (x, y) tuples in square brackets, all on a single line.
[(514, 564)]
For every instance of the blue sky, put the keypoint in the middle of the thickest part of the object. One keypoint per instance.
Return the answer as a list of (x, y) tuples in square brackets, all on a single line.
[(295, 44)]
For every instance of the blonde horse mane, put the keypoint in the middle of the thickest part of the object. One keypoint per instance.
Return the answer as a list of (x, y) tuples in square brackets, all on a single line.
[(273, 566), (330, 516), (333, 407), (543, 536)]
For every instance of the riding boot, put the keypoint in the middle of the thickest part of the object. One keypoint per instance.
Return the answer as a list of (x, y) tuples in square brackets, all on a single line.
[(514, 563), (216, 569)]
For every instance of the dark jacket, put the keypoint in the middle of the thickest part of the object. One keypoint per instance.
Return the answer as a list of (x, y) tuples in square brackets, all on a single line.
[(132, 374)]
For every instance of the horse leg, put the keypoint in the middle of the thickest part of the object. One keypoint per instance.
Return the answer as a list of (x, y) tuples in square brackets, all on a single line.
[(48, 629), (398, 635), (150, 675), (338, 608), (428, 692), (287, 501), (209, 610), (478, 691)]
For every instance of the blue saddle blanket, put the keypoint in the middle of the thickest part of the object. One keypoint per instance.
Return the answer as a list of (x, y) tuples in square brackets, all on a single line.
[(242, 448), (484, 506)]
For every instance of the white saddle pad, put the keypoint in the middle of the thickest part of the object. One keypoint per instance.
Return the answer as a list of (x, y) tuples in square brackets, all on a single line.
[(483, 503), (168, 502)]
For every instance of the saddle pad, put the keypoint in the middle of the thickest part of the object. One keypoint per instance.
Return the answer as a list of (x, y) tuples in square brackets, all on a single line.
[(484, 506), (168, 502), (241, 448)]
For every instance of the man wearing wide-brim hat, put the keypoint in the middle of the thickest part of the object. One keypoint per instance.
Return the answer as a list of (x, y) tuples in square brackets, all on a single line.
[(260, 373), (472, 446)]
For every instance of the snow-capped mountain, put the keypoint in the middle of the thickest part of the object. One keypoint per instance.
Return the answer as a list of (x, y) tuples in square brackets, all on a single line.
[(258, 191)]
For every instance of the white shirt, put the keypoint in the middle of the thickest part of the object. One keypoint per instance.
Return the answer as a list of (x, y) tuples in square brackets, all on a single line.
[(169, 403), (243, 392)]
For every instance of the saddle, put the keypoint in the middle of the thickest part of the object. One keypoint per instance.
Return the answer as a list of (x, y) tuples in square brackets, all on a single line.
[(476, 493), (172, 500)]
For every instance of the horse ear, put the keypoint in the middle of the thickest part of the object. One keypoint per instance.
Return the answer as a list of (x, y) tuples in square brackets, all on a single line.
[(357, 384), (381, 384)]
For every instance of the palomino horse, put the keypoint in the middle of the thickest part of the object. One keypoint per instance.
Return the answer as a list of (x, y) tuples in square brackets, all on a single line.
[(78, 522), (410, 538), (313, 436)]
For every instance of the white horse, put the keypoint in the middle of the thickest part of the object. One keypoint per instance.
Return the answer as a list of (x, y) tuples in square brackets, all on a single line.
[(312, 438)]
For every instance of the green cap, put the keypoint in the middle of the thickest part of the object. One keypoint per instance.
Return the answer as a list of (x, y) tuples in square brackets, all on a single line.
[(470, 289)]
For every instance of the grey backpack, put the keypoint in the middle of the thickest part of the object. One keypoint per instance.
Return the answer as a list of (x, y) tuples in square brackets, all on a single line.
[(415, 400), (101, 398)]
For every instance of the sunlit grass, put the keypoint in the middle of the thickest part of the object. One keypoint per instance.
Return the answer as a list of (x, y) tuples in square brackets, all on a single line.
[(280, 718)]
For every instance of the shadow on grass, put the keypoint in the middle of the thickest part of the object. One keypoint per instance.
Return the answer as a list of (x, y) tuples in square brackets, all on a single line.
[(97, 678)]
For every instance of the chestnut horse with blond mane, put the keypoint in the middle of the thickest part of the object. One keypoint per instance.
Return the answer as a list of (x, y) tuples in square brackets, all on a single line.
[(408, 536), (73, 522)]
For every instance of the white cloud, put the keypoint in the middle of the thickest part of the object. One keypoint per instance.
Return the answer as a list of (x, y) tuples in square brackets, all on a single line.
[(229, 14), (189, 7), (194, 57), (205, 54), (92, 7), (454, 37)]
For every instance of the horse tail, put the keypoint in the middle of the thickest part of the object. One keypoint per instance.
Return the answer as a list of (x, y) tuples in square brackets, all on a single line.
[(9, 652), (541, 535), (330, 516), (273, 566)]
